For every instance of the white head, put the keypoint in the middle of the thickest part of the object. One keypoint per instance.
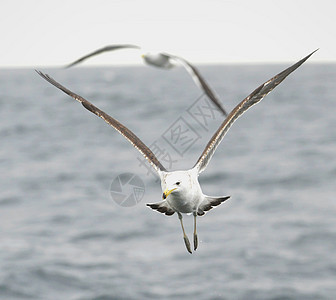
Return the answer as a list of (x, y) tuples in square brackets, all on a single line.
[(178, 183)]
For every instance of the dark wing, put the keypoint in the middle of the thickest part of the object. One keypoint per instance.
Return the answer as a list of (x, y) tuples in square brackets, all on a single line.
[(162, 207), (101, 50), (256, 96), (209, 203), (124, 131), (200, 81)]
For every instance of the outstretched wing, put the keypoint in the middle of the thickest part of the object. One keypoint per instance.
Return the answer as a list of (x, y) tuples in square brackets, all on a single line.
[(256, 96), (209, 203), (124, 131), (101, 50), (200, 81)]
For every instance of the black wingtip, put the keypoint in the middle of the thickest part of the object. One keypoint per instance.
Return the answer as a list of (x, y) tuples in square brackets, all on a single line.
[(40, 73), (314, 51), (44, 76), (309, 55), (68, 66), (299, 63)]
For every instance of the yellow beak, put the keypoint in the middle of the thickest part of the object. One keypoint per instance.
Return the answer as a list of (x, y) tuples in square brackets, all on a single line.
[(167, 192)]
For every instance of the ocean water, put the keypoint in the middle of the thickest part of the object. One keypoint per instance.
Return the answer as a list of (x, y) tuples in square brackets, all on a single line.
[(64, 236)]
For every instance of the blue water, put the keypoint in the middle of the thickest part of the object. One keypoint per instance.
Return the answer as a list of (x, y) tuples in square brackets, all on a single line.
[(63, 237)]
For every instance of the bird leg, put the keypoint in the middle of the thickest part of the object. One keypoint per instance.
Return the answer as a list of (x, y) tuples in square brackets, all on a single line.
[(186, 240), (195, 232)]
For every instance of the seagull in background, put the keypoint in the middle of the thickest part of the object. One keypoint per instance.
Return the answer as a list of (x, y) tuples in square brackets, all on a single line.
[(164, 61), (181, 191)]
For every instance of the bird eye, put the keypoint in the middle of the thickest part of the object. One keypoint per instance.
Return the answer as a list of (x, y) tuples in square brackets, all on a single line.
[(178, 183)]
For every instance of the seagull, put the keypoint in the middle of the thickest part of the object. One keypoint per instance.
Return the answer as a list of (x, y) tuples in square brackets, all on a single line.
[(164, 61), (181, 191)]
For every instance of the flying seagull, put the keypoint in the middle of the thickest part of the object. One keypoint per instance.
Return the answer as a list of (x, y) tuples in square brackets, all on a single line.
[(164, 61), (181, 190)]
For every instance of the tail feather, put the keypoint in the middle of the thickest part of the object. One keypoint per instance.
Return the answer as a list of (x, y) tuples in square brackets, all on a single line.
[(162, 207), (210, 202)]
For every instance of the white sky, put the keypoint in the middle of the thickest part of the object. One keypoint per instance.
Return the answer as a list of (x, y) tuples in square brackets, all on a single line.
[(51, 33)]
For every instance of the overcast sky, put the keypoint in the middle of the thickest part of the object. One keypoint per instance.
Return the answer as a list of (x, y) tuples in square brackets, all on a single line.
[(51, 33)]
